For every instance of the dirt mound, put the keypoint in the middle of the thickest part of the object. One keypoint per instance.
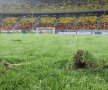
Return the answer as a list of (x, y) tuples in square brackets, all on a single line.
[(82, 60)]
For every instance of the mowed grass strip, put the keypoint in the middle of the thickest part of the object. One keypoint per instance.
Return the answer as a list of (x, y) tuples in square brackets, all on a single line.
[(49, 56)]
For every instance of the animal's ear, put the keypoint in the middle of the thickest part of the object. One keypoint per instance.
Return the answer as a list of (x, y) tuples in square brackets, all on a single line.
[(80, 52)]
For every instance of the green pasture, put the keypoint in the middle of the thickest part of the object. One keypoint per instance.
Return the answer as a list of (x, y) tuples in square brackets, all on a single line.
[(48, 57)]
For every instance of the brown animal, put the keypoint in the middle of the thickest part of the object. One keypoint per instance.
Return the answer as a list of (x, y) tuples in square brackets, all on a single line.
[(81, 60)]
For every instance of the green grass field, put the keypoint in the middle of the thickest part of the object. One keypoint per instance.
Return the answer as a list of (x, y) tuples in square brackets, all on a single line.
[(49, 56)]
